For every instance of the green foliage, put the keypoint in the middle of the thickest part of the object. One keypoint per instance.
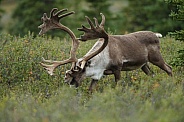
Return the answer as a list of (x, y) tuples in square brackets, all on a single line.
[(27, 16), (73, 21), (150, 15), (20, 59), (28, 93), (120, 104), (126, 16), (1, 11), (178, 12), (179, 59), (19, 64), (178, 15), (99, 6)]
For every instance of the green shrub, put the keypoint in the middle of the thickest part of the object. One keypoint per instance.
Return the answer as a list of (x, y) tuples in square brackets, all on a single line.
[(177, 13), (28, 93)]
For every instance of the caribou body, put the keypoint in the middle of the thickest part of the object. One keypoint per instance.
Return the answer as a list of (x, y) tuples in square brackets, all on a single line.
[(123, 53), (111, 54)]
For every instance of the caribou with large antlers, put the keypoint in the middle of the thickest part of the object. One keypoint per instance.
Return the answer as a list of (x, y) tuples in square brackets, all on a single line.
[(111, 54), (120, 53)]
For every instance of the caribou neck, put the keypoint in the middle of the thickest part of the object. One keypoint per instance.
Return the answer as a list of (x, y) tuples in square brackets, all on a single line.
[(88, 57)]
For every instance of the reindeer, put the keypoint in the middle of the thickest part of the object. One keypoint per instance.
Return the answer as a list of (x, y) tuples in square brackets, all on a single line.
[(111, 54), (120, 53)]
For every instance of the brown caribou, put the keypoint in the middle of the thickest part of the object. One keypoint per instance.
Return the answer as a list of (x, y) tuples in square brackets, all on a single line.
[(111, 54), (120, 53)]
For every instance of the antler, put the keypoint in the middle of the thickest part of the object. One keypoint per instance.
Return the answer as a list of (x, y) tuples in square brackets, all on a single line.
[(93, 32), (52, 23)]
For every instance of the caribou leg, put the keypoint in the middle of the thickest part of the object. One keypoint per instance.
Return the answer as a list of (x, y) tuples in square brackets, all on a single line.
[(146, 69)]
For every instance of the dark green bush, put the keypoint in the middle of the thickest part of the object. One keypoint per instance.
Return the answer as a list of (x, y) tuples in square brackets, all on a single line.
[(177, 13), (28, 93)]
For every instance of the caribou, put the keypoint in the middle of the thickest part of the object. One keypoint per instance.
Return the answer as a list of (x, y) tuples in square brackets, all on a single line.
[(111, 54)]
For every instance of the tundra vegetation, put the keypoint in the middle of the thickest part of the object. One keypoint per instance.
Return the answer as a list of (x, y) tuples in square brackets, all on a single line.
[(29, 93)]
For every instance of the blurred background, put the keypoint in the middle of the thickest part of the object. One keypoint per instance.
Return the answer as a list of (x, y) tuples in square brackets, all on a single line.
[(18, 17)]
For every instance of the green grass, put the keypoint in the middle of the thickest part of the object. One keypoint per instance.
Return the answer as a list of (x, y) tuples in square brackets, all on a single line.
[(28, 93)]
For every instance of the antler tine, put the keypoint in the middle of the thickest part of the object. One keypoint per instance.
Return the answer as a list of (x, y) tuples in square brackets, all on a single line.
[(45, 17), (83, 28), (49, 68), (90, 22), (96, 22), (103, 20), (52, 12), (60, 11), (64, 15)]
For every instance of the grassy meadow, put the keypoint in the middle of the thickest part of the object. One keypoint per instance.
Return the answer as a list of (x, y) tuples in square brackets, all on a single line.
[(29, 94)]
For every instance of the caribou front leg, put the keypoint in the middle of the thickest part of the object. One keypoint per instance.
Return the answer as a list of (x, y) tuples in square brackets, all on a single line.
[(92, 85), (146, 69)]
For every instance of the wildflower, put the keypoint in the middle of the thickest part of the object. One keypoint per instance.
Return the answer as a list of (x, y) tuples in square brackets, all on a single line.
[(155, 85), (133, 78)]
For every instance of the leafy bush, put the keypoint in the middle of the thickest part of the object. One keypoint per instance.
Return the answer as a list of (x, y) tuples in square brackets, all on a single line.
[(178, 15), (28, 93), (1, 11), (20, 59), (150, 15)]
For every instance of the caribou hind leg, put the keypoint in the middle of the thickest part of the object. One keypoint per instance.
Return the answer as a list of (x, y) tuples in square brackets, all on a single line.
[(157, 60)]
